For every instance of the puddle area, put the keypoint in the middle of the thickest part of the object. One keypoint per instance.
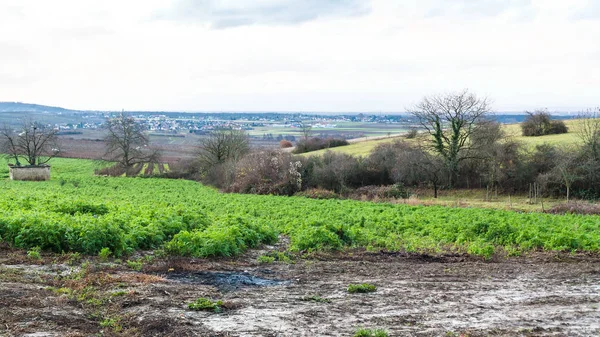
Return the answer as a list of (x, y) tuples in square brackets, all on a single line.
[(224, 281)]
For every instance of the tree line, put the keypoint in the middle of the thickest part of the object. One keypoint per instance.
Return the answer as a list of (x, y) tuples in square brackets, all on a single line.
[(459, 145)]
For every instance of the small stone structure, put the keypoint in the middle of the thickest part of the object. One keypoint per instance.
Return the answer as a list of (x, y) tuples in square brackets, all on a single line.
[(30, 173)]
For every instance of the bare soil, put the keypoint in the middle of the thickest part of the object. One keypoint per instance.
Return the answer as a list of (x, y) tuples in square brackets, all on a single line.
[(417, 295)]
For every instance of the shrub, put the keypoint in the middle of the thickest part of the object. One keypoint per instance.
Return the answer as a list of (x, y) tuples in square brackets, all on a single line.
[(267, 173), (540, 123), (284, 144), (361, 288), (315, 143), (575, 208), (412, 133)]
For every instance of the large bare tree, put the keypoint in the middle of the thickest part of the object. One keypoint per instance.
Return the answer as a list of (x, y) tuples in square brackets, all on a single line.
[(450, 120), (222, 145), (33, 142), (127, 143)]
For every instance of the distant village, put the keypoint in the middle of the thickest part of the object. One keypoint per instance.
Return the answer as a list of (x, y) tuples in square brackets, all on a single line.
[(204, 123)]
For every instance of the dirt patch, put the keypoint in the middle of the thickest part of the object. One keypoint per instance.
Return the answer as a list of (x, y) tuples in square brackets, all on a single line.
[(224, 281), (538, 295)]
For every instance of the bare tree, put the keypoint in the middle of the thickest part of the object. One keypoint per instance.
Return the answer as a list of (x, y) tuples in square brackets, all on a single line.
[(589, 132), (306, 129), (33, 142), (127, 143), (222, 145), (450, 120), (565, 170)]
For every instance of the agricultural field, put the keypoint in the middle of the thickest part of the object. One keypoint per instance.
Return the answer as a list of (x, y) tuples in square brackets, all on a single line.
[(131, 256), (364, 146), (346, 128)]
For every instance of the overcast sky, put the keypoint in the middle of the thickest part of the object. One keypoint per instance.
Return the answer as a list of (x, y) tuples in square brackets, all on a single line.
[(298, 55)]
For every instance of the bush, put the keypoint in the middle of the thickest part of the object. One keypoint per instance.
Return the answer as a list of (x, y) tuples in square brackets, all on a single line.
[(267, 173), (412, 133), (396, 191), (315, 143), (540, 123), (575, 208), (284, 144)]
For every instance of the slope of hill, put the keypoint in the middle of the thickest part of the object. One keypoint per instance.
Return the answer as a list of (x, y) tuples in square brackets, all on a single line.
[(28, 107), (364, 146)]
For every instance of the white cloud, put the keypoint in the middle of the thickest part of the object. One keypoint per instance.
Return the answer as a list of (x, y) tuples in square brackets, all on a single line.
[(336, 57)]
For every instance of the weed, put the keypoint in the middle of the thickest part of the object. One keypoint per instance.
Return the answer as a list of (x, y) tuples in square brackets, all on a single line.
[(34, 253), (118, 293), (265, 259), (113, 322), (104, 254), (316, 298), (74, 258), (205, 304), (362, 332), (135, 265), (361, 288), (271, 257)]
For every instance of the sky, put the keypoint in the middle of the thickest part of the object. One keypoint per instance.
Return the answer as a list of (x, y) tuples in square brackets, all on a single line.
[(299, 55)]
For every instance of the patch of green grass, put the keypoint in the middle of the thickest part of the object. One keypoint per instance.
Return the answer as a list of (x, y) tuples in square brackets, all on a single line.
[(315, 298), (361, 288), (363, 332), (205, 304)]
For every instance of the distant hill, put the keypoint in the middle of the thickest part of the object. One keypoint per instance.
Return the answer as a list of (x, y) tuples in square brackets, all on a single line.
[(27, 107)]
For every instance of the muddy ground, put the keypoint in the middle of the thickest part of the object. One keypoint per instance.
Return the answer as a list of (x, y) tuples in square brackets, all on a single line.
[(537, 295)]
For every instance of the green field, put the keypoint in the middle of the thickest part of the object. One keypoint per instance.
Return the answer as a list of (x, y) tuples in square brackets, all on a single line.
[(513, 131), (359, 148), (76, 211)]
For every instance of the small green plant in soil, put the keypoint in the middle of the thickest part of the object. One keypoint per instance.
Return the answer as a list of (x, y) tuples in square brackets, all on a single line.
[(265, 259), (34, 253), (135, 265), (316, 298), (271, 257), (361, 288), (362, 332), (104, 254), (205, 304)]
